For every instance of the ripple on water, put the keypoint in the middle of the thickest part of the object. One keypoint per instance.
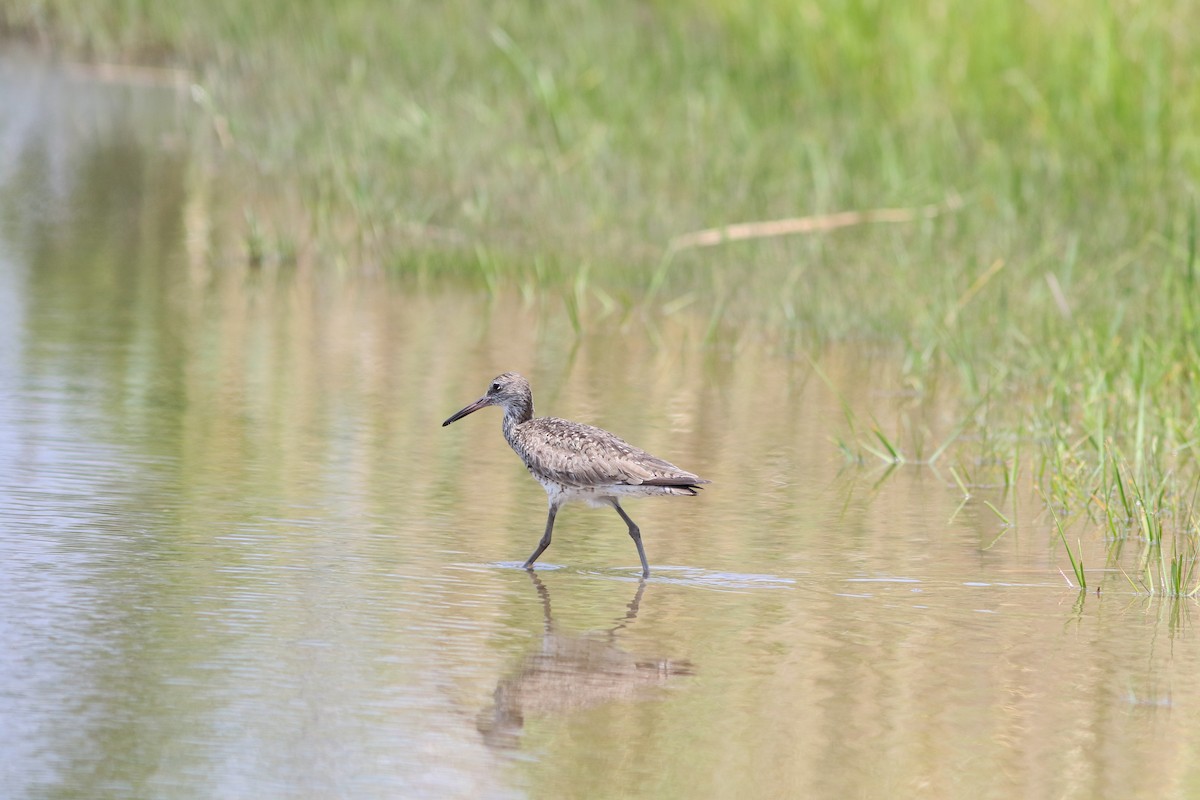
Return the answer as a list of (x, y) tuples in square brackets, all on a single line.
[(680, 576)]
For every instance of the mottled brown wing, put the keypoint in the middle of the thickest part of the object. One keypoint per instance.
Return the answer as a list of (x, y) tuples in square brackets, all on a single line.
[(574, 454)]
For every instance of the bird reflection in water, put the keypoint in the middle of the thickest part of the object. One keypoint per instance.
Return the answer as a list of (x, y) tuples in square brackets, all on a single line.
[(571, 672)]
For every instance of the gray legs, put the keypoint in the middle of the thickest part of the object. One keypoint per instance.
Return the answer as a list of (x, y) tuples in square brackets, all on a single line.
[(635, 534), (545, 542)]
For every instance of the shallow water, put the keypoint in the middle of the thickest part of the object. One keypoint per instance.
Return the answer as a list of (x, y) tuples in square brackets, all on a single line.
[(241, 558)]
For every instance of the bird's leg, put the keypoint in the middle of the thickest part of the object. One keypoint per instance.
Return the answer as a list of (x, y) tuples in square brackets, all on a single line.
[(545, 542), (636, 535)]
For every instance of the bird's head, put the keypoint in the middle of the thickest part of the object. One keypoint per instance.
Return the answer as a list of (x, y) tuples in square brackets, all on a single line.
[(509, 391)]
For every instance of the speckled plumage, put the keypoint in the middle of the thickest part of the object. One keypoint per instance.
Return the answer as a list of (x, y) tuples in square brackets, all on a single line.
[(574, 461)]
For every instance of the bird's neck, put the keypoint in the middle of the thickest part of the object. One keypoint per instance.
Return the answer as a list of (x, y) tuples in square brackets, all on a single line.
[(515, 415)]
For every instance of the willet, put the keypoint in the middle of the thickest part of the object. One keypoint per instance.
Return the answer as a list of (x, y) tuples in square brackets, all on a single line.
[(573, 461)]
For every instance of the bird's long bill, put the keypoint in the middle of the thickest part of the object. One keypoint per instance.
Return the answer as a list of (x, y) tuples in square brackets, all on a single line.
[(471, 409)]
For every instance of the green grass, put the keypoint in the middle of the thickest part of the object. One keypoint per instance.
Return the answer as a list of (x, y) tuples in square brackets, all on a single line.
[(558, 149), (1076, 560)]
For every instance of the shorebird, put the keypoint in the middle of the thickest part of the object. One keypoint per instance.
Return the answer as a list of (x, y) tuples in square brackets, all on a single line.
[(573, 461)]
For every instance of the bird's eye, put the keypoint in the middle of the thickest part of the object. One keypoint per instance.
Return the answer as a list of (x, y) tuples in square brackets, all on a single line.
[(494, 388)]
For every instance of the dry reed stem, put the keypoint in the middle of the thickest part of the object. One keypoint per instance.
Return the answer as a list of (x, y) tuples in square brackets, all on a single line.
[(131, 74), (814, 224)]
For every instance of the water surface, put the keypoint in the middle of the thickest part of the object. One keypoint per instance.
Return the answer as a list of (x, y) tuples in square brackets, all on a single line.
[(241, 558)]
